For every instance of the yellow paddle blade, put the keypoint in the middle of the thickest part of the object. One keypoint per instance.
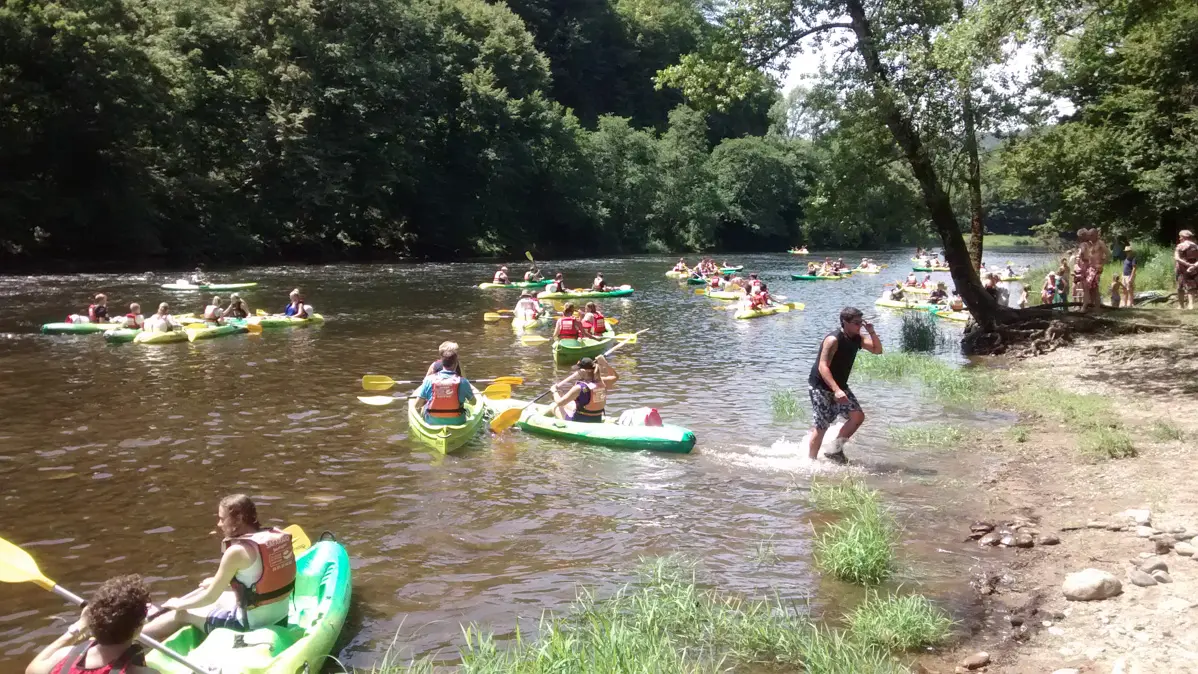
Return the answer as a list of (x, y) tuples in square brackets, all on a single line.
[(505, 419), (377, 382), (497, 390), (377, 401), (254, 328), (510, 381), (783, 308), (16, 566), (260, 312), (797, 306), (701, 291), (499, 395), (528, 254), (533, 340), (491, 317), (627, 337), (612, 321), (299, 540), (191, 333)]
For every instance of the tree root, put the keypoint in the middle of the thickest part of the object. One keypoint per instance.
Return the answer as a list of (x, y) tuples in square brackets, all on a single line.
[(1032, 332)]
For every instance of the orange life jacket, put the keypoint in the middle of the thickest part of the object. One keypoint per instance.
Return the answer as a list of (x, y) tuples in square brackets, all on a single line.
[(446, 400), (278, 569), (567, 327)]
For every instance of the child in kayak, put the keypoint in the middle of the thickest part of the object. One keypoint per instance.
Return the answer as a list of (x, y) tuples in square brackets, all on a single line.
[(296, 307), (102, 639), (568, 326), (593, 321), (161, 321), (97, 312), (447, 351), (558, 285), (134, 320), (528, 308), (939, 295), (587, 395), (598, 284)]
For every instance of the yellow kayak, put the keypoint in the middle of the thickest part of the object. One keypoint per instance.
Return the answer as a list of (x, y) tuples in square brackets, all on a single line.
[(768, 311), (176, 335), (951, 315)]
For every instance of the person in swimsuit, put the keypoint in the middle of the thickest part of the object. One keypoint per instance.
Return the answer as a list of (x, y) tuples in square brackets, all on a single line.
[(587, 392), (1185, 258)]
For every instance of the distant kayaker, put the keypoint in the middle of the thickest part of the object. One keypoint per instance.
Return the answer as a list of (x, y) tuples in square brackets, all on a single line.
[(587, 392), (533, 274), (214, 311), (593, 320), (939, 295), (828, 382), (97, 312), (237, 307), (445, 392), (681, 265), (134, 320), (161, 321), (598, 285), (447, 351), (252, 585), (296, 306), (528, 308), (101, 640), (197, 277), (501, 276), (558, 285), (754, 282), (956, 303), (568, 326)]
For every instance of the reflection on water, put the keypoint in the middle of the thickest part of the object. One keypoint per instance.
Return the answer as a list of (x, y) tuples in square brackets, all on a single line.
[(112, 458)]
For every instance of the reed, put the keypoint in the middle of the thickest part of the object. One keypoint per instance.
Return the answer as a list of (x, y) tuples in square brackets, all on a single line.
[(899, 623)]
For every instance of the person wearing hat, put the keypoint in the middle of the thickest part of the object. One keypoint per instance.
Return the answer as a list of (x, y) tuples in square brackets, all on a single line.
[(585, 399), (1185, 258), (501, 276), (939, 295), (213, 312), (528, 308), (237, 307)]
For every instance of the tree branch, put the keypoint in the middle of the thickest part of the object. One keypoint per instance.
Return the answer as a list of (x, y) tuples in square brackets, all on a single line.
[(794, 39)]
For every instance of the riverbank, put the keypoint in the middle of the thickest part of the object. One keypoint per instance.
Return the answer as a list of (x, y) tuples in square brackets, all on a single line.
[(1100, 460)]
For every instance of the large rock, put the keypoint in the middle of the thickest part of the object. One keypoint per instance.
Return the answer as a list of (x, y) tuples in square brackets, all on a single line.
[(1185, 549), (976, 661), (1091, 585)]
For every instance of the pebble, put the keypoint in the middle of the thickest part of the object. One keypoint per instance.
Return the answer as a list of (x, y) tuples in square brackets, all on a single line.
[(1056, 631), (1146, 555), (1162, 576), (989, 539), (976, 661), (1095, 524), (1007, 540), (1162, 546), (1049, 539), (1141, 579), (1139, 516), (1185, 549), (1091, 585), (1144, 531), (1023, 540), (1155, 564), (1183, 535)]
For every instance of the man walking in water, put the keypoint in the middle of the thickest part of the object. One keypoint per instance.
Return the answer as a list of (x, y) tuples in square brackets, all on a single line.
[(829, 382)]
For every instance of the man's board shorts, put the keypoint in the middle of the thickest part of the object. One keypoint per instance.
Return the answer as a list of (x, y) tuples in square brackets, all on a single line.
[(825, 409)]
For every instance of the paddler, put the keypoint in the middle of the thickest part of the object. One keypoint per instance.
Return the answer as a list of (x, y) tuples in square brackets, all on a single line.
[(214, 311), (939, 295), (681, 266), (927, 282), (197, 277), (956, 303), (528, 308), (447, 351), (445, 392), (501, 276), (161, 321), (568, 326), (533, 274), (828, 382), (593, 320), (253, 582), (101, 641), (598, 285), (754, 282), (134, 320), (97, 311), (558, 285), (296, 307), (912, 280), (587, 392), (237, 307)]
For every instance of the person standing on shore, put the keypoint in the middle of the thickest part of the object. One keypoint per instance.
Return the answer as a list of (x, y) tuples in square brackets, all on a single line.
[(828, 383), (1186, 258)]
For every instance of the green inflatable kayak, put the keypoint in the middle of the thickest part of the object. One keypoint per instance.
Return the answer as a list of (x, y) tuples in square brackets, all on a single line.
[(697, 281), (78, 328), (570, 351), (446, 439), (892, 304), (517, 284), (319, 605), (121, 336), (580, 293), (285, 321), (207, 286), (731, 270), (809, 277), (930, 269), (211, 331), (665, 438)]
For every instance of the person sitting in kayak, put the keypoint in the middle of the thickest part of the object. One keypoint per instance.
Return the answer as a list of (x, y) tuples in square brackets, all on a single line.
[(214, 311), (927, 282), (447, 350), (528, 308), (956, 303), (237, 307), (445, 392), (161, 321), (558, 285), (296, 307), (97, 312), (252, 584), (532, 275), (588, 392), (939, 295), (593, 321), (912, 280), (598, 285), (102, 639), (896, 293), (568, 326), (197, 277), (134, 320), (754, 282), (681, 266), (501, 276)]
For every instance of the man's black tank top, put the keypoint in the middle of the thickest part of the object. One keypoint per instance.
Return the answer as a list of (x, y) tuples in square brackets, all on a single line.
[(842, 361)]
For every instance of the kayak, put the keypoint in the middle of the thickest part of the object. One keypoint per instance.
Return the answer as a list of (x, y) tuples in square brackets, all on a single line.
[(77, 328), (792, 251), (874, 270), (845, 272), (319, 605), (449, 438), (951, 315), (767, 311), (697, 281), (207, 286), (570, 351), (517, 284), (523, 324), (1010, 278), (664, 438), (917, 290), (677, 274), (210, 331), (176, 335), (580, 293), (121, 335), (892, 304), (730, 270), (285, 321), (809, 277), (724, 294), (930, 269)]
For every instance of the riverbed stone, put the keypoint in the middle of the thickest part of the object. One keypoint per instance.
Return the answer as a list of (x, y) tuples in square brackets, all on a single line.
[(1141, 516), (1049, 539), (982, 526), (1141, 579), (1097, 524), (1185, 549), (976, 661), (1162, 546), (1144, 531), (1183, 535), (1007, 540), (1162, 576), (1091, 585), (990, 539), (1154, 564), (1024, 540)]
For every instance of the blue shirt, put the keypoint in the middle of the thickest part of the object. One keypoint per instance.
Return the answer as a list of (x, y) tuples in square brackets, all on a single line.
[(465, 394), (290, 310), (1128, 263)]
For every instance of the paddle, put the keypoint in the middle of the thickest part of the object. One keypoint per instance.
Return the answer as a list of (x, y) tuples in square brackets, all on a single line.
[(498, 315), (299, 540), (16, 566), (506, 418), (494, 392), (379, 382), (537, 340)]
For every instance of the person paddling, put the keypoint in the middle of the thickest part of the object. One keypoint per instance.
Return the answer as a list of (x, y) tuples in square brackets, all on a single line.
[(448, 351), (252, 584), (134, 320), (443, 395), (588, 392), (101, 640), (568, 326), (533, 274), (501, 276), (828, 382)]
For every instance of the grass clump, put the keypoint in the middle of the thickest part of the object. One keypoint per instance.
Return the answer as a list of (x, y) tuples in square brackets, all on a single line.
[(667, 623), (1165, 431), (847, 496), (939, 379), (928, 435), (1107, 442), (899, 623), (1020, 433), (785, 403), (764, 554), (860, 547), (920, 332), (1060, 405)]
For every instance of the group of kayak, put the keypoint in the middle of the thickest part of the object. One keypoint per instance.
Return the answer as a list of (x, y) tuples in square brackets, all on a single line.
[(924, 295), (703, 271), (556, 288), (832, 270), (801, 250)]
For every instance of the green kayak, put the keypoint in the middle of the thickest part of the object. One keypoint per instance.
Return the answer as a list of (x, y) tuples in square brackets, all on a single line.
[(570, 351), (77, 328), (665, 438), (285, 321), (696, 280), (121, 336), (731, 270), (522, 325), (446, 439), (319, 605), (809, 277), (517, 284), (207, 286), (622, 291), (211, 331), (930, 269)]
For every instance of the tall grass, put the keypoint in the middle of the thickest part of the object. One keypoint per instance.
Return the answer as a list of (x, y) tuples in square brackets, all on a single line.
[(920, 332), (899, 623), (666, 623), (939, 379), (847, 496), (860, 547), (785, 403)]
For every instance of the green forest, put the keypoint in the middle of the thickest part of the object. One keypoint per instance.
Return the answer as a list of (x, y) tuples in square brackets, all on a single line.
[(140, 132)]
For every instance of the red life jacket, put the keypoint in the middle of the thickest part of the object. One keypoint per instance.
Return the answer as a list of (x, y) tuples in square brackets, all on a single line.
[(73, 663), (567, 327), (755, 283), (278, 569), (446, 400), (597, 325), (131, 321)]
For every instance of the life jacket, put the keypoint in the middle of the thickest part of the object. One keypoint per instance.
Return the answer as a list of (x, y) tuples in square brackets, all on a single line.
[(500, 277), (567, 327), (95, 313), (597, 325), (278, 569), (757, 300), (73, 663), (446, 401), (210, 312), (133, 321), (755, 283), (592, 399)]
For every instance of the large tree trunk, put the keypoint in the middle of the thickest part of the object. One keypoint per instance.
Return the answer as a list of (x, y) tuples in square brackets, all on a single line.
[(982, 306), (977, 219)]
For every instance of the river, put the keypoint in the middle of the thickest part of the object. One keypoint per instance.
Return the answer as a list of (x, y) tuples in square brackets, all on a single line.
[(112, 458)]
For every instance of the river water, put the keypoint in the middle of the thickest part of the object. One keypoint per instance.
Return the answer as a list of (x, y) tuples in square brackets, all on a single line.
[(112, 458)]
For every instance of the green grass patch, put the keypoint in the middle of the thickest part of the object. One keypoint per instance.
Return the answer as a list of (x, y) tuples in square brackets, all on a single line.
[(1020, 433), (860, 547), (666, 623), (899, 623), (784, 403), (939, 379), (1106, 442), (846, 496), (920, 332), (1165, 431), (928, 435)]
